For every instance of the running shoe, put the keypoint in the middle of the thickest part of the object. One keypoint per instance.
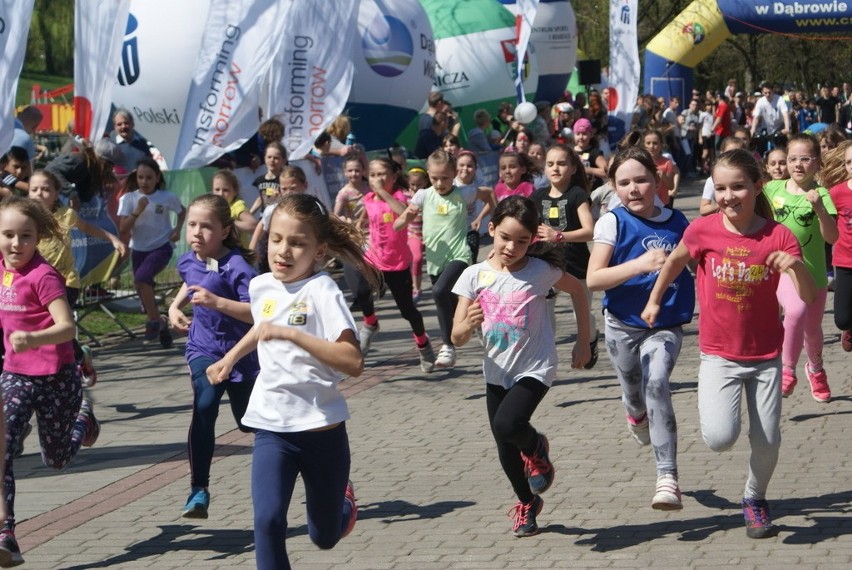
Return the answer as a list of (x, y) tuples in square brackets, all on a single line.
[(93, 426), (757, 520), (152, 330), (524, 517), (446, 357), (846, 340), (349, 498), (538, 468), (639, 429), (667, 494), (197, 504), (819, 384), (367, 333), (788, 381), (10, 553), (427, 358)]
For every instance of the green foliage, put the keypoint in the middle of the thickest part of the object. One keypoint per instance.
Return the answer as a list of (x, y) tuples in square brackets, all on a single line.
[(50, 45)]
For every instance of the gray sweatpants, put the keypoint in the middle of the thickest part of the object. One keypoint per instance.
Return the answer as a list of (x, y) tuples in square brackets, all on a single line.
[(720, 388), (643, 360)]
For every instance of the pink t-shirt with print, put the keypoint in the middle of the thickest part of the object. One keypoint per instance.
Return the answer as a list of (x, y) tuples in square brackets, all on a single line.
[(388, 249)]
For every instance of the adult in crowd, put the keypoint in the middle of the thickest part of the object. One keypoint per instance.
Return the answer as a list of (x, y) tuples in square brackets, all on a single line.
[(691, 131), (26, 123), (133, 146), (429, 139), (827, 106), (479, 138), (771, 114), (540, 127)]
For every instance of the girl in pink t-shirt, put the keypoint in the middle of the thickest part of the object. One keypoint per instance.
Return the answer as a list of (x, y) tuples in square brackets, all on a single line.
[(389, 253), (517, 171), (417, 180), (741, 253), (39, 374), (839, 161)]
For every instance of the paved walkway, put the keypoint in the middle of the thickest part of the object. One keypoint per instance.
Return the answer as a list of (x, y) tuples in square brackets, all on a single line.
[(430, 490)]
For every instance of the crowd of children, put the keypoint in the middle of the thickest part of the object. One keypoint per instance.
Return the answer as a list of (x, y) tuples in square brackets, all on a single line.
[(270, 327)]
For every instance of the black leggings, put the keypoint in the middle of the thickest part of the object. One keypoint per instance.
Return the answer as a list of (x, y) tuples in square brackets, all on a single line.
[(509, 413), (360, 288), (401, 287), (843, 298), (445, 299)]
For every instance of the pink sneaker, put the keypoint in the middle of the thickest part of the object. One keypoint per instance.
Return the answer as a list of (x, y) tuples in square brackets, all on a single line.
[(819, 384), (788, 381)]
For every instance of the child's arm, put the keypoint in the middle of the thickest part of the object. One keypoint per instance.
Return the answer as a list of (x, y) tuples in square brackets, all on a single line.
[(245, 222), (395, 205), (486, 196), (181, 218), (827, 223), (467, 318), (674, 264), (582, 352), (99, 232), (599, 168), (583, 234), (255, 237), (240, 310), (256, 206), (219, 371), (707, 207), (675, 181), (783, 262), (600, 276), (62, 329), (126, 223), (344, 354), (406, 216), (179, 321)]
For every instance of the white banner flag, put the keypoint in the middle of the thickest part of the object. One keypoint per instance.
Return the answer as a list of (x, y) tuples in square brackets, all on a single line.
[(98, 36), (312, 75), (527, 9), (15, 18), (624, 68), (240, 40)]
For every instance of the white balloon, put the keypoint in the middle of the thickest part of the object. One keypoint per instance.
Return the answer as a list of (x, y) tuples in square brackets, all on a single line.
[(526, 112)]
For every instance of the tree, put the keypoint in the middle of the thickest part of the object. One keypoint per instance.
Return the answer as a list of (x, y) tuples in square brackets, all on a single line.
[(51, 39)]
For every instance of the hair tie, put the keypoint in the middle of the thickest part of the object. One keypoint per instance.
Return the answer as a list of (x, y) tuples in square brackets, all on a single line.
[(320, 205), (414, 169)]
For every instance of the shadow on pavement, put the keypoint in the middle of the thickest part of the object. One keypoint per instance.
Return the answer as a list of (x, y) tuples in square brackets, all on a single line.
[(225, 542)]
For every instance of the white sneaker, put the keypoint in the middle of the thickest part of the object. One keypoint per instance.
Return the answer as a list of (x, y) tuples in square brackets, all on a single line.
[(640, 430), (667, 494), (427, 358), (367, 333), (446, 357)]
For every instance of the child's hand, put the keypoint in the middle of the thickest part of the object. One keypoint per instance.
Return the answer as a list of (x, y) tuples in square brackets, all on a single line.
[(474, 317), (178, 320), (581, 354), (650, 314), (815, 200), (780, 261), (20, 341), (141, 205), (475, 225), (201, 296), (546, 233), (219, 371), (651, 261), (267, 331)]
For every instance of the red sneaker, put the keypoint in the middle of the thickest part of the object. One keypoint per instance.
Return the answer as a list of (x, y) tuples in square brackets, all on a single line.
[(349, 497), (846, 340), (788, 381), (819, 384)]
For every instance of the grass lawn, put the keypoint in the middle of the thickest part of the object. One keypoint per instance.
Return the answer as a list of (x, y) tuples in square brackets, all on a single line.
[(30, 78)]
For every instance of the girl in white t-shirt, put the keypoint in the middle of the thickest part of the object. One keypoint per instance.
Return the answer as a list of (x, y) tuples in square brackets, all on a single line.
[(506, 295), (144, 213), (306, 342)]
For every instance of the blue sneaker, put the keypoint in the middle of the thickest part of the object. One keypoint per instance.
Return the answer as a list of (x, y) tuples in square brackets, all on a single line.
[(757, 520), (196, 504)]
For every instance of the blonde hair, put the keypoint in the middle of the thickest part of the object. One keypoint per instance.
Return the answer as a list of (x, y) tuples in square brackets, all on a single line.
[(46, 224), (833, 170)]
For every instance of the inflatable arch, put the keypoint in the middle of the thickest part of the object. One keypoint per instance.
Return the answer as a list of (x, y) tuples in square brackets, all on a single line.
[(672, 55)]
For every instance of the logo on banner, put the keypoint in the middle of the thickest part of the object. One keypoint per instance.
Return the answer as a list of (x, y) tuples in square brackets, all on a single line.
[(128, 73), (510, 56), (388, 47), (696, 30)]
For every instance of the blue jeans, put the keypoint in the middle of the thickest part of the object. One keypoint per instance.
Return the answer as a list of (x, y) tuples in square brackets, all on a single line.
[(322, 458), (205, 410)]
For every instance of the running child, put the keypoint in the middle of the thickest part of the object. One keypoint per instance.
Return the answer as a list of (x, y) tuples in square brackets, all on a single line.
[(837, 174), (586, 147), (566, 221), (388, 252), (216, 273), (275, 159), (631, 245), (466, 175), (667, 170), (444, 208), (227, 185), (740, 254), (39, 373), (505, 297), (776, 164), (417, 180), (517, 171), (292, 180), (306, 342), (805, 207), (349, 207), (144, 213), (45, 188)]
